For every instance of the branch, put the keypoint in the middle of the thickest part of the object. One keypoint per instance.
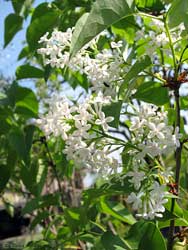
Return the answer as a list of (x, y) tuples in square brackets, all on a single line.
[(177, 174), (52, 164)]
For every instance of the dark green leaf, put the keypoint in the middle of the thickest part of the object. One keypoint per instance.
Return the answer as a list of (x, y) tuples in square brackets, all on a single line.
[(28, 71), (113, 242), (29, 131), (23, 99), (42, 23), (75, 217), (113, 110), (103, 14), (145, 236), (17, 5), (13, 23), (152, 92), (152, 238), (150, 5), (34, 177), (40, 10), (17, 143), (23, 53)]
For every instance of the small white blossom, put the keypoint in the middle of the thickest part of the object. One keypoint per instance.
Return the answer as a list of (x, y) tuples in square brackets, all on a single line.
[(103, 121)]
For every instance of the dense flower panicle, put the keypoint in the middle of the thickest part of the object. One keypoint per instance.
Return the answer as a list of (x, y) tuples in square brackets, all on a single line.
[(106, 67), (149, 203), (152, 134), (83, 126), (153, 137), (74, 124)]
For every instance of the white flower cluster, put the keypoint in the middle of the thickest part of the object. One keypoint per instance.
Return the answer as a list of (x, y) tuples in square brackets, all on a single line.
[(150, 203), (149, 196), (152, 134), (152, 137), (102, 68), (157, 37), (79, 126)]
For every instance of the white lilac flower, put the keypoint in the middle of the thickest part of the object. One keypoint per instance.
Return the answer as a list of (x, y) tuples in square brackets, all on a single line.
[(116, 45), (156, 130), (135, 199), (149, 203), (103, 121), (137, 176)]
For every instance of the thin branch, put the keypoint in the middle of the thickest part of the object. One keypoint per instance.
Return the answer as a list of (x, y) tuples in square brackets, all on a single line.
[(52, 164), (177, 174)]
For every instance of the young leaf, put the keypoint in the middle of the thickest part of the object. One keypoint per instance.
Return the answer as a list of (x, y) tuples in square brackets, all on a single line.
[(113, 109), (103, 14), (178, 13), (117, 211)]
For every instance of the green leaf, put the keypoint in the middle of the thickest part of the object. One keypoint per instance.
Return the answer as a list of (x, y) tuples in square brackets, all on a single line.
[(132, 74), (152, 238), (23, 53), (40, 10), (103, 14), (116, 185), (25, 102), (116, 210), (22, 100), (75, 217), (113, 109), (29, 131), (113, 242), (179, 214), (17, 5), (152, 92), (150, 5), (13, 23), (178, 13), (34, 177), (184, 102), (17, 142), (42, 22), (126, 28), (78, 28), (28, 71), (145, 236)]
